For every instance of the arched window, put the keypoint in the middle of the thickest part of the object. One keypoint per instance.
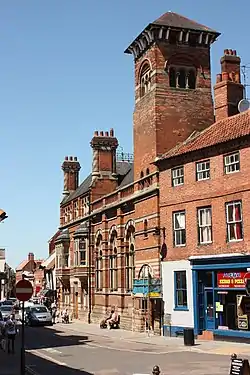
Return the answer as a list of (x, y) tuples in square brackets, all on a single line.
[(145, 79), (147, 171), (172, 77), (113, 267), (182, 77), (191, 79), (142, 174), (145, 272), (130, 260), (99, 264)]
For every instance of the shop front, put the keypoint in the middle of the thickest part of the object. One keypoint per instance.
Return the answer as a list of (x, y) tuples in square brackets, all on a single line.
[(218, 285)]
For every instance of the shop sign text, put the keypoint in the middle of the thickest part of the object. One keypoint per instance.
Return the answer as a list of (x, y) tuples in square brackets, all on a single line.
[(231, 279)]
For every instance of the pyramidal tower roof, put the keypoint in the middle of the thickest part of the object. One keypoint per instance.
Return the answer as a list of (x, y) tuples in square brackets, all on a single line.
[(168, 24), (175, 20)]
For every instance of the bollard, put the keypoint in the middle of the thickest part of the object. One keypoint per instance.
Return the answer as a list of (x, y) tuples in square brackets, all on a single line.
[(156, 370)]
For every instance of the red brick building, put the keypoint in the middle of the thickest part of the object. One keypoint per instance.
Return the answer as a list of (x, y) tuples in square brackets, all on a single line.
[(204, 205), (126, 217), (30, 269)]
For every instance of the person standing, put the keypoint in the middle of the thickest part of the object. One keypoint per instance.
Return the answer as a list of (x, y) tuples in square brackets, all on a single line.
[(10, 330)]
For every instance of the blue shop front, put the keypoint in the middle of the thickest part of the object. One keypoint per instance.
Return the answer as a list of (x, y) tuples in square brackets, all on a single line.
[(218, 285)]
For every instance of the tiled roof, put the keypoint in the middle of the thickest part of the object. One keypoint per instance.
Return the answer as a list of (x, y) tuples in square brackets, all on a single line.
[(220, 132), (123, 171), (21, 266), (176, 20)]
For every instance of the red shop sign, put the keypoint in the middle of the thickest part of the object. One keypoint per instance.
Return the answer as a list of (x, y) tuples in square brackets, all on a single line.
[(231, 279)]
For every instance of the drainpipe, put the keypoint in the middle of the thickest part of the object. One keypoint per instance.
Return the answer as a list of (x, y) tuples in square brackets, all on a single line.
[(89, 267)]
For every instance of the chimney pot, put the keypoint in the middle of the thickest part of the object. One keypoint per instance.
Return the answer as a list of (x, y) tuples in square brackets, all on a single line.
[(106, 134), (234, 52), (225, 76), (237, 77), (218, 78), (75, 158), (230, 52), (101, 133), (66, 158), (111, 132), (226, 52), (96, 133), (71, 158)]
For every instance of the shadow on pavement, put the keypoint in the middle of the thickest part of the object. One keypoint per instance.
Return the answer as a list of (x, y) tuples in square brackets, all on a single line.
[(42, 337), (36, 365)]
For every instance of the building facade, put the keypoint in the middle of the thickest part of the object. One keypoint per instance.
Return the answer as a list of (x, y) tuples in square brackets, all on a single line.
[(126, 236), (205, 206), (30, 269)]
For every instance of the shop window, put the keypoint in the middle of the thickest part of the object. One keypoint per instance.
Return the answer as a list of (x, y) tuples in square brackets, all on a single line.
[(232, 163), (203, 170), (178, 176), (205, 225), (180, 280), (179, 227), (234, 221)]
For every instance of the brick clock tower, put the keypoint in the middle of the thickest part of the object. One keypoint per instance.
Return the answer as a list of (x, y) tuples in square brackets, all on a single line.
[(172, 85)]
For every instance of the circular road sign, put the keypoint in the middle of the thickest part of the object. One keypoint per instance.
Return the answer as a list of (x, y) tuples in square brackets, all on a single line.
[(24, 290)]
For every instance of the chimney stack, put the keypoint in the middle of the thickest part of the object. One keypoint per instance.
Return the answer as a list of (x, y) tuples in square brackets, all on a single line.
[(71, 168), (104, 146), (228, 90), (31, 256)]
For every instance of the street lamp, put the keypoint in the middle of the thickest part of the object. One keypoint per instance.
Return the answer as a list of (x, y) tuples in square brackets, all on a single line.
[(3, 215)]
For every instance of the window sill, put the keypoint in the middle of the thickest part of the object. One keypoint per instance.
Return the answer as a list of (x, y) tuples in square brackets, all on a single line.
[(179, 245), (181, 308), (205, 243), (233, 241)]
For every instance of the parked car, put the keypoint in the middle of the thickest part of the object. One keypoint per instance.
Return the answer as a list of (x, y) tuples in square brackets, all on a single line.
[(6, 311), (38, 315)]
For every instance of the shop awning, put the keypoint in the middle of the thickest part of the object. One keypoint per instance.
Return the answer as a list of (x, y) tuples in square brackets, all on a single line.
[(49, 263)]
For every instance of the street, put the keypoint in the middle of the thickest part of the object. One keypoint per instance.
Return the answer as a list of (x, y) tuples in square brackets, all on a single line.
[(62, 350)]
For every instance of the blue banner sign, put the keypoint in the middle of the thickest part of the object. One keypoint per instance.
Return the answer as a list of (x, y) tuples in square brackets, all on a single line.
[(147, 287)]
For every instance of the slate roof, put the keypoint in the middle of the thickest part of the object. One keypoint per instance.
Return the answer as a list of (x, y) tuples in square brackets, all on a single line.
[(176, 20), (125, 177), (222, 131)]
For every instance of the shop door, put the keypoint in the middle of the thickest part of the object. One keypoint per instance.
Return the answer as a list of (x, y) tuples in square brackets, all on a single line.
[(209, 310)]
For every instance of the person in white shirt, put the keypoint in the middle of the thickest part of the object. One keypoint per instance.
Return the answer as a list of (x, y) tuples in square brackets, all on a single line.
[(10, 330)]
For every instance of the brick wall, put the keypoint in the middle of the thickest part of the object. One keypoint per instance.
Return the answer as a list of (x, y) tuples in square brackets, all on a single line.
[(166, 115), (215, 192)]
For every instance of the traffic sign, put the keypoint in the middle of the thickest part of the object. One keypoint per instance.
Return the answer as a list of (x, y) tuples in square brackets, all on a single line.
[(24, 290)]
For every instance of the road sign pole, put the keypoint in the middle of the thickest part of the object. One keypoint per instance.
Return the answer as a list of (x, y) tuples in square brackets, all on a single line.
[(22, 344)]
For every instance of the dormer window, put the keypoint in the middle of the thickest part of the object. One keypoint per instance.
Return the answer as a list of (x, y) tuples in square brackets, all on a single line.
[(182, 77), (145, 80)]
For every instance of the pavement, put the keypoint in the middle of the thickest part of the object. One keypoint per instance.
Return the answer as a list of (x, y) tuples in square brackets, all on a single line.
[(81, 349)]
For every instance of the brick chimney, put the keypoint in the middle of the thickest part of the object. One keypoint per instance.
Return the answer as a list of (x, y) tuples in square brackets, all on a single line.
[(228, 90), (71, 168), (31, 256), (104, 154)]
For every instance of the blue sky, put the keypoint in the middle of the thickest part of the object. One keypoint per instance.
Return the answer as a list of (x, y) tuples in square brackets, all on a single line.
[(63, 75)]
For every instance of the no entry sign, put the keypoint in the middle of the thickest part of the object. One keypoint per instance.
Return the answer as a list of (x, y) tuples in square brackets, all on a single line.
[(24, 290)]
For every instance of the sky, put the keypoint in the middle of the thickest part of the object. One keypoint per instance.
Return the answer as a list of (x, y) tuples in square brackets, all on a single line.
[(63, 75)]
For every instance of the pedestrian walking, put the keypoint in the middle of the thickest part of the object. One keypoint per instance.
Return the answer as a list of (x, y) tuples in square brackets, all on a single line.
[(10, 330)]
